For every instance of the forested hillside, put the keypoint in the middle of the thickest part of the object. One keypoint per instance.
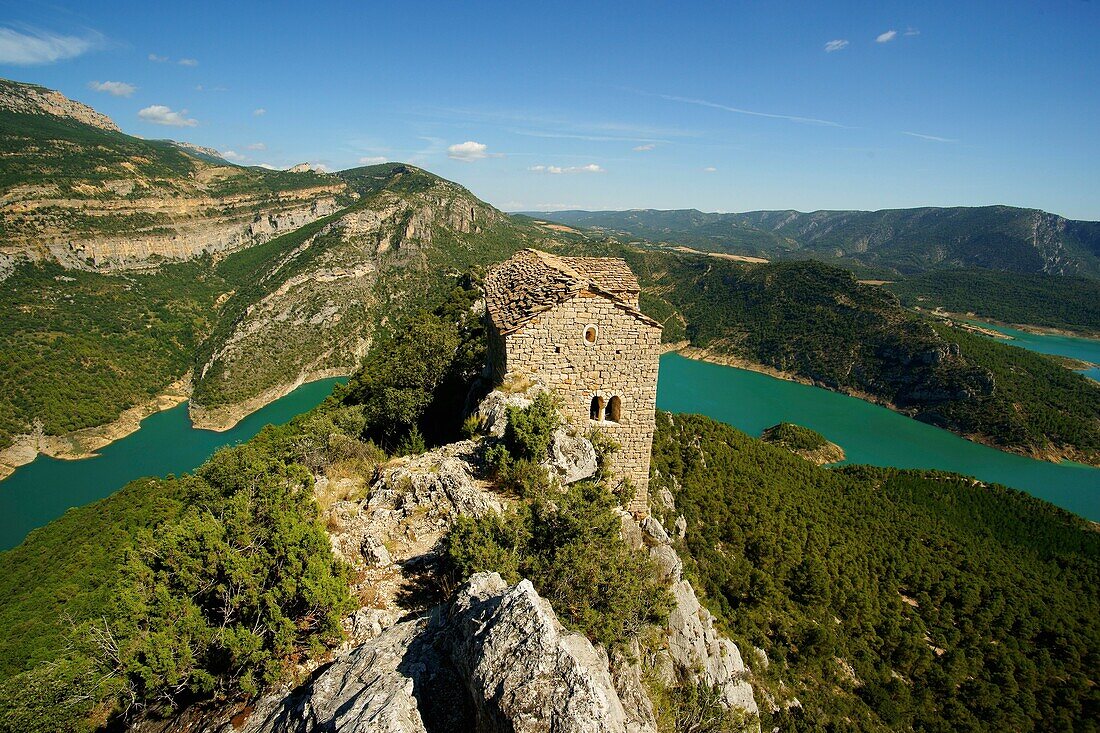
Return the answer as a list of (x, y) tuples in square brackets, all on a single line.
[(1070, 303), (887, 600)]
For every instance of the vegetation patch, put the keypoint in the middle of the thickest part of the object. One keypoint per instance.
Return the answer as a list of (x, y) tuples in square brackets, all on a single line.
[(887, 600)]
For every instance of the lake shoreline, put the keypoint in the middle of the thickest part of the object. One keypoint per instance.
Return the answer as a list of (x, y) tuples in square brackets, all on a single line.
[(220, 419), (1051, 455), (87, 442)]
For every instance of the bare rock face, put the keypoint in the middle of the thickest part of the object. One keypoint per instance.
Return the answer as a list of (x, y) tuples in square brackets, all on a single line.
[(497, 660), (526, 673), (572, 457), (30, 99)]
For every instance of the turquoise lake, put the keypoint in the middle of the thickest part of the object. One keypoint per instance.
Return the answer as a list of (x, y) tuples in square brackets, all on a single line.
[(166, 443), (1074, 347), (867, 433)]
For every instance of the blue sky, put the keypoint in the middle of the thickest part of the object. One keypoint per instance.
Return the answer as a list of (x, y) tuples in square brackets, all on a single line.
[(716, 106)]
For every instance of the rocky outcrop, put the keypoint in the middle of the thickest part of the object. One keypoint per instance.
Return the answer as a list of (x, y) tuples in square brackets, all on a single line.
[(693, 645), (30, 99), (495, 660)]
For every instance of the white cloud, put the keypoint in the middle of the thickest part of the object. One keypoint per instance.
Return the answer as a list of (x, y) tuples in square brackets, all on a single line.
[(644, 148), (835, 45), (259, 112), (159, 114), (257, 146), (114, 88), (268, 166), (42, 47), (911, 32), (558, 170), (886, 37), (468, 151), (372, 160), (201, 88), (710, 169), (187, 62), (933, 138), (319, 167), (157, 59), (232, 155)]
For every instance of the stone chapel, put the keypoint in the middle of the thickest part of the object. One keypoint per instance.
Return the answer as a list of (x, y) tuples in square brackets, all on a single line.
[(573, 324)]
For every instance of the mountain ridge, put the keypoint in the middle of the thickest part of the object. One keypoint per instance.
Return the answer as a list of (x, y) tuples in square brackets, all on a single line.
[(905, 241)]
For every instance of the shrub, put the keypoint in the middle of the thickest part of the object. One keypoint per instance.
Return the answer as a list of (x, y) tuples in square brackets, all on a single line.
[(530, 428), (572, 551)]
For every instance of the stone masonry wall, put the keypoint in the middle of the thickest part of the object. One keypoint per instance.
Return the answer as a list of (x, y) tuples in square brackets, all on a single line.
[(623, 363)]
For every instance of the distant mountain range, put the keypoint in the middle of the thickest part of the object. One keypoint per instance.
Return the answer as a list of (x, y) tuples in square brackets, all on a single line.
[(905, 241)]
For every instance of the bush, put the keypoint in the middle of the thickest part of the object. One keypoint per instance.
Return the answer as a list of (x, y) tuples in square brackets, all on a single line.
[(572, 551), (530, 428)]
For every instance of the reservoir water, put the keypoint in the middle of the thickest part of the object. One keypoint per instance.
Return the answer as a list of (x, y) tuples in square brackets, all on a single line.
[(165, 443), (1074, 347), (867, 433)]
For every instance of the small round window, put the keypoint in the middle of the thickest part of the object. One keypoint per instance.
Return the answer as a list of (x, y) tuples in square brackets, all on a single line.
[(590, 334)]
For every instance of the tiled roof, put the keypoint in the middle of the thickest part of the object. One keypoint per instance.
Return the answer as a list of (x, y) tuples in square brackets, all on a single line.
[(531, 281)]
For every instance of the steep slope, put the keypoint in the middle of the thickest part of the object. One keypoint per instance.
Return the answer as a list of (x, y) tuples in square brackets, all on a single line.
[(885, 600), (76, 190), (310, 302), (901, 240)]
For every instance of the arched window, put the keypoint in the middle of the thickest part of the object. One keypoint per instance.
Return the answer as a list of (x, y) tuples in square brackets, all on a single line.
[(596, 410), (590, 334), (614, 409)]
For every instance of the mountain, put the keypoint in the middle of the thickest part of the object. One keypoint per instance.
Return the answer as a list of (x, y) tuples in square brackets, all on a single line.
[(904, 241), (77, 191)]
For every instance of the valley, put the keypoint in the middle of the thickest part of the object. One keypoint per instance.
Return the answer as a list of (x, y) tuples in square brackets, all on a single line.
[(265, 470)]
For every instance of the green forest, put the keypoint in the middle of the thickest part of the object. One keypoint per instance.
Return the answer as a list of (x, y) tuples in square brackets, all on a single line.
[(1054, 301), (887, 600)]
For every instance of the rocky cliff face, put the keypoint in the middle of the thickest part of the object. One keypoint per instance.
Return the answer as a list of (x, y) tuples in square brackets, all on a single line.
[(35, 100), (88, 196), (325, 294)]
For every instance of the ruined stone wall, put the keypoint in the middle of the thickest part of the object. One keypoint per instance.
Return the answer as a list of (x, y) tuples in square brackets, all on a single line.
[(622, 363)]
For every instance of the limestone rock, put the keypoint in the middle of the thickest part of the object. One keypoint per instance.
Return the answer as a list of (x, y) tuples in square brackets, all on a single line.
[(695, 644), (493, 410), (572, 457), (528, 674), (497, 660)]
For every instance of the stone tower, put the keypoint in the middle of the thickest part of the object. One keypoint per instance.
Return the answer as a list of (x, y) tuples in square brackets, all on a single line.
[(573, 324)]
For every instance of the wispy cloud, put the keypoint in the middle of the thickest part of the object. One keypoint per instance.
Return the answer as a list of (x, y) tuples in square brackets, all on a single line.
[(257, 146), (268, 166), (201, 88), (468, 151), (520, 122), (835, 45), (187, 62), (31, 47), (644, 148), (911, 32), (751, 113), (233, 155), (157, 59), (114, 88), (933, 138), (886, 37), (558, 170), (159, 114), (259, 112), (710, 169), (372, 159)]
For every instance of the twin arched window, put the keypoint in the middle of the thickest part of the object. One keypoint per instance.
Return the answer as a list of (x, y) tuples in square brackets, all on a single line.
[(612, 411)]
